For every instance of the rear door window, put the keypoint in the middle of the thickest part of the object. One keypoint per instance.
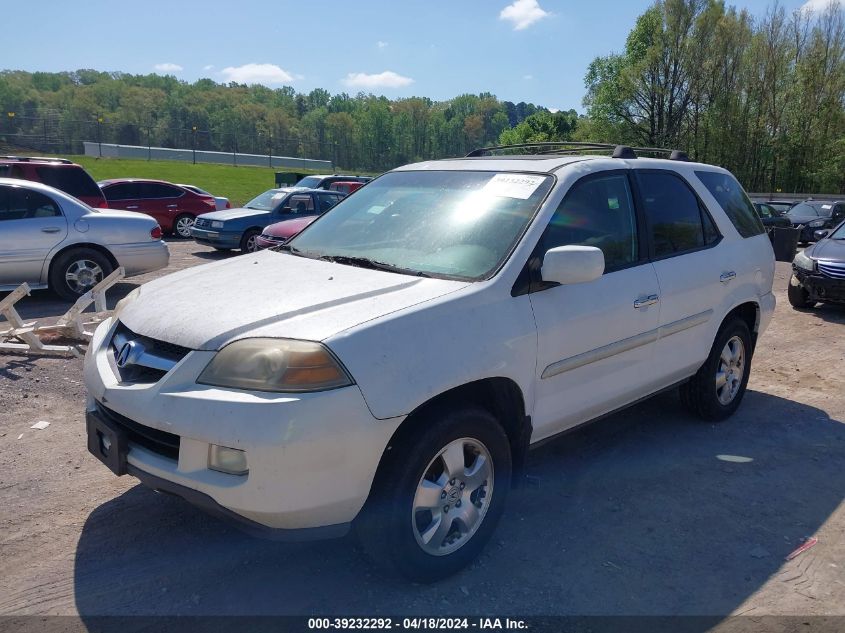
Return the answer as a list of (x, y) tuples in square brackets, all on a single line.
[(121, 191), (72, 180), (734, 202), (677, 222), (301, 203), (158, 190), (327, 201)]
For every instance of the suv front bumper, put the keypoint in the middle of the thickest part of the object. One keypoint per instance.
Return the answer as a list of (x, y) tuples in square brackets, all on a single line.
[(311, 457)]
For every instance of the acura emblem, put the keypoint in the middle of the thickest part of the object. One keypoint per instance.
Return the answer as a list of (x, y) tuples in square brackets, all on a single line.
[(124, 353)]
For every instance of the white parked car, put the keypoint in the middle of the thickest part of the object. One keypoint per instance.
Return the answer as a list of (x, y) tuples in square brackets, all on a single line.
[(220, 202), (391, 364), (51, 239)]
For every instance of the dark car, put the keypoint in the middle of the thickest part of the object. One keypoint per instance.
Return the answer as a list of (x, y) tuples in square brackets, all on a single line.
[(818, 272), (281, 232), (239, 228), (782, 206), (60, 173), (770, 216), (323, 182), (173, 206), (813, 215)]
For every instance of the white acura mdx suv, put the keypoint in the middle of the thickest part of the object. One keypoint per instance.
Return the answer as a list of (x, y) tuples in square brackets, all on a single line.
[(390, 366)]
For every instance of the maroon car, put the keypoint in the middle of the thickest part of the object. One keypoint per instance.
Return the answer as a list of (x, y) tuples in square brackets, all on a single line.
[(60, 173), (281, 232), (173, 206)]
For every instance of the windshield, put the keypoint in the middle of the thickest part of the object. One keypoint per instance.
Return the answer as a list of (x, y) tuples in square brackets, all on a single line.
[(267, 201), (803, 210), (312, 182), (445, 223)]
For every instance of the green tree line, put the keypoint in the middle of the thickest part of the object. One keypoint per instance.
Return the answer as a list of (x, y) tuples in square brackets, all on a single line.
[(362, 131)]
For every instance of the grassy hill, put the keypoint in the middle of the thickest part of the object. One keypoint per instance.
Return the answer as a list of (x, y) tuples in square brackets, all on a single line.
[(239, 184)]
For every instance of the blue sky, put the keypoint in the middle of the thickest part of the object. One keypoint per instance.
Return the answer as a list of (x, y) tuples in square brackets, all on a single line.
[(521, 50)]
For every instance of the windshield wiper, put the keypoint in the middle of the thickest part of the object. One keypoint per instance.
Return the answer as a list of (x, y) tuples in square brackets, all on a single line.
[(366, 262)]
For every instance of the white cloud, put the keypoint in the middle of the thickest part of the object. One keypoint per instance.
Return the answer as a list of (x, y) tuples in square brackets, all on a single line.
[(523, 13), (381, 44), (168, 67), (528, 77), (387, 79), (820, 6), (266, 74), (208, 67), (554, 110)]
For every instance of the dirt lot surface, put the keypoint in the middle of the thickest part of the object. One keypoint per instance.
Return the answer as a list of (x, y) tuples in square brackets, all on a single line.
[(635, 515)]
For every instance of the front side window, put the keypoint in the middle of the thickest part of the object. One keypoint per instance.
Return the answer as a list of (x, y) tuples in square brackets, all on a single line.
[(597, 212), (17, 203), (677, 222), (300, 203), (455, 224), (734, 202)]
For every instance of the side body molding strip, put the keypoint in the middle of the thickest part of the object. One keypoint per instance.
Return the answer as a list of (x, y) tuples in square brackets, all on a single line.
[(626, 344)]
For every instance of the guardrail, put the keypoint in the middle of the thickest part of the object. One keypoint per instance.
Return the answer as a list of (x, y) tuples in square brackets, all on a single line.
[(796, 197)]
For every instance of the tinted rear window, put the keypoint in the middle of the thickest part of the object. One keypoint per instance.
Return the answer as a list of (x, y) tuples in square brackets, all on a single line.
[(734, 202), (72, 180)]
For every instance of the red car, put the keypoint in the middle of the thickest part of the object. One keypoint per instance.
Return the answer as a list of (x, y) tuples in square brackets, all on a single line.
[(60, 173), (345, 186), (173, 206), (281, 232)]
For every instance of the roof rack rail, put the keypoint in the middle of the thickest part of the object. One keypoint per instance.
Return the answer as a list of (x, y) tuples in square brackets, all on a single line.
[(40, 159), (563, 148)]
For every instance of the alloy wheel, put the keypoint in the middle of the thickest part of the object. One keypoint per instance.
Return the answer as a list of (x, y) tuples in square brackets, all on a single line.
[(730, 371), (82, 275)]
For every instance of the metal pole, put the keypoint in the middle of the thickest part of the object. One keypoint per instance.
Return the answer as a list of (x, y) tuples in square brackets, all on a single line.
[(99, 136), (194, 149), (270, 151), (45, 134)]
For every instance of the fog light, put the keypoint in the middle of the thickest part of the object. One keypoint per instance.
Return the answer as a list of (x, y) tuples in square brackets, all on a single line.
[(227, 460)]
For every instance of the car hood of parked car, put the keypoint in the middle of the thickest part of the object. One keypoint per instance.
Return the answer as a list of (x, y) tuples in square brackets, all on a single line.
[(289, 228), (271, 294), (828, 249), (232, 214)]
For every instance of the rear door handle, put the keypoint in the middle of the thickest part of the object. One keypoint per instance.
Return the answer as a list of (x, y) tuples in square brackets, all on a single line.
[(728, 276), (134, 206), (648, 301), (50, 229)]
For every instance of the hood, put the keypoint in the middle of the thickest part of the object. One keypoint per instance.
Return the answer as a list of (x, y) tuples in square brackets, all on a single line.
[(289, 228), (828, 249), (233, 214), (271, 294)]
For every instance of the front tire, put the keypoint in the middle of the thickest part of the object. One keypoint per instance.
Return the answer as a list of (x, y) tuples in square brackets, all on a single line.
[(248, 244), (716, 390), (76, 271), (798, 297), (438, 494)]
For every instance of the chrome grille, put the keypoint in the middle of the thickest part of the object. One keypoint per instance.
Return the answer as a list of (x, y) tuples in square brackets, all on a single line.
[(140, 359), (835, 270)]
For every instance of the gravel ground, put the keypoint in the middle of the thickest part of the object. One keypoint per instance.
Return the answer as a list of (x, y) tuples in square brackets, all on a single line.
[(634, 515)]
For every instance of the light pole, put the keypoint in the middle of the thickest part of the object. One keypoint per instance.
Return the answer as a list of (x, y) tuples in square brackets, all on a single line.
[(99, 136), (194, 150), (11, 117)]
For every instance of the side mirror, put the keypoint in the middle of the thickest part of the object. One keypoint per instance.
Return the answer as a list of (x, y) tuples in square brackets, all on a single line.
[(821, 234), (572, 264)]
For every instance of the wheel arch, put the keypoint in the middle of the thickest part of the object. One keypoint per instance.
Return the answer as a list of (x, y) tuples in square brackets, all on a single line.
[(748, 312), (93, 246), (501, 397)]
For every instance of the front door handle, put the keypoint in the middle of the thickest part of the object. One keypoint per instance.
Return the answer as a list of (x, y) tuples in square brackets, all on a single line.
[(50, 229), (172, 206), (648, 301), (728, 276)]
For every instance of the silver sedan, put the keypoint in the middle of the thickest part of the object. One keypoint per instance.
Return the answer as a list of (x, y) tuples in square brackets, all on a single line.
[(51, 239)]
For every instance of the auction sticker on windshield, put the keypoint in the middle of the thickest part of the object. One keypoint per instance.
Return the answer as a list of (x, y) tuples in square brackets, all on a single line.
[(519, 186)]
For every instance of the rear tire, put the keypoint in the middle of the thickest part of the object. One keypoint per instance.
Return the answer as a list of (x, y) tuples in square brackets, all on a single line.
[(438, 494), (248, 244), (182, 225), (798, 297), (716, 390), (75, 272)]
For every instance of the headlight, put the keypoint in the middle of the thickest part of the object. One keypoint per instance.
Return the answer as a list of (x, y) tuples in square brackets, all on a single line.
[(803, 262), (216, 224), (118, 308), (816, 224), (271, 364)]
